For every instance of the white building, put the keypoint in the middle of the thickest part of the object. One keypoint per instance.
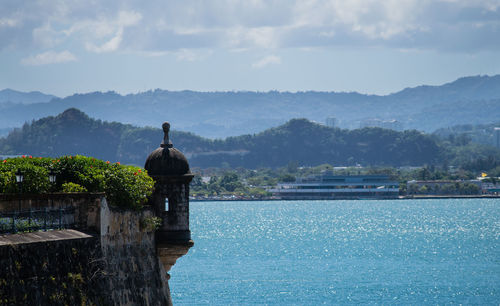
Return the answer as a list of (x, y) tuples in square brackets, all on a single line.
[(338, 187)]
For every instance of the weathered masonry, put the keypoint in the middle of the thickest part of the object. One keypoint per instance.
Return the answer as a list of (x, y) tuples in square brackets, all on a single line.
[(107, 255), (170, 170)]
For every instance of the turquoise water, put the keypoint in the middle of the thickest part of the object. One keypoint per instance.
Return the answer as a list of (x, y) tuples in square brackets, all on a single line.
[(341, 252)]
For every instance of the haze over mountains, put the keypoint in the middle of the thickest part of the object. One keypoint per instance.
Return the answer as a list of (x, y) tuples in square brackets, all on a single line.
[(468, 100), (299, 140), (13, 97)]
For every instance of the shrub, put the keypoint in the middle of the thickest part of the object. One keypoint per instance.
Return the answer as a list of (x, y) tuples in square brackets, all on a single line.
[(125, 186), (150, 224), (36, 178), (72, 187)]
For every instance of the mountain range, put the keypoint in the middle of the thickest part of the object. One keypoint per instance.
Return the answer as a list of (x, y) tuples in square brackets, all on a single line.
[(298, 141), (13, 97), (468, 100)]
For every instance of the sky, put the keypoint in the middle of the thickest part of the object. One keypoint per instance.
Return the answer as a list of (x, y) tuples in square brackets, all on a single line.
[(368, 46)]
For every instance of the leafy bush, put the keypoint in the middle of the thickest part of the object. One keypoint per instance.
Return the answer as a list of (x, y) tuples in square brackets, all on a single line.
[(36, 178), (72, 187), (150, 224), (125, 186)]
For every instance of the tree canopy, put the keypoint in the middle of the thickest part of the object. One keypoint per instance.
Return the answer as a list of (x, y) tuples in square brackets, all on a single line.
[(299, 142)]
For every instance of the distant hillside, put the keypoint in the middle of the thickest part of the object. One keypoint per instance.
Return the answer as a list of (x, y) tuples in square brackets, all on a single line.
[(479, 133), (73, 132), (15, 97), (466, 88), (299, 140), (470, 100)]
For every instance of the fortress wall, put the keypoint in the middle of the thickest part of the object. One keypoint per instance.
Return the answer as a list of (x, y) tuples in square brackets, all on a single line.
[(129, 249), (52, 272), (117, 264)]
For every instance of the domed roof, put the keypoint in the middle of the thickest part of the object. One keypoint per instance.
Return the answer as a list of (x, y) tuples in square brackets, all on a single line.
[(166, 160)]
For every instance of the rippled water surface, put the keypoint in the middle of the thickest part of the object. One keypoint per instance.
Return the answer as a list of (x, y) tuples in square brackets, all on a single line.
[(341, 252)]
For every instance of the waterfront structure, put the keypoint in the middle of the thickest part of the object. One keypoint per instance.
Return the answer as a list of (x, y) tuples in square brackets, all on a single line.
[(330, 186), (490, 187), (169, 169)]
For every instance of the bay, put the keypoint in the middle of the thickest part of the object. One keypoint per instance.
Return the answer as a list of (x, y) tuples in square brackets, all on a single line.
[(444, 251)]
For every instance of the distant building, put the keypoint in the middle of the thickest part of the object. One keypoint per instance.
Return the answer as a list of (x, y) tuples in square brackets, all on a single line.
[(490, 186), (338, 187), (391, 124), (331, 122)]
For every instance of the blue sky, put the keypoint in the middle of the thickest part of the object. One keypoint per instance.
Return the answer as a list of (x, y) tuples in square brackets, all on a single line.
[(369, 46)]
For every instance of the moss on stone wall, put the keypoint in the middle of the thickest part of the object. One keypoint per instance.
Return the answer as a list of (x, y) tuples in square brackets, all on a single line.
[(64, 272), (119, 265)]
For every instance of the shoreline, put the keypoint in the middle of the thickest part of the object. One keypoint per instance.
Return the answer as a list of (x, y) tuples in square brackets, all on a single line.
[(474, 196), (412, 197)]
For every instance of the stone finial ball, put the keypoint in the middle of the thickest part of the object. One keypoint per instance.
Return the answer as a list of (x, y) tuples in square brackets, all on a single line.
[(166, 127)]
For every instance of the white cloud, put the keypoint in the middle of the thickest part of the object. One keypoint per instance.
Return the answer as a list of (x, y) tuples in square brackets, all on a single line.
[(268, 60), (49, 57), (374, 19), (192, 55), (328, 34), (110, 28), (169, 26), (109, 46), (128, 18), (46, 37), (8, 22), (260, 37)]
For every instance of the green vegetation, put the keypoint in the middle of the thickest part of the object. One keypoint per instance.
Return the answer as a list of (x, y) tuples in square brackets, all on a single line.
[(233, 183), (150, 224), (311, 144), (69, 133), (455, 188), (125, 186), (246, 183), (297, 148), (299, 140), (70, 187), (465, 133)]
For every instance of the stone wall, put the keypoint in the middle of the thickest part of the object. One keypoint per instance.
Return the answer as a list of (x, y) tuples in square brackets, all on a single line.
[(113, 263), (134, 270), (58, 272)]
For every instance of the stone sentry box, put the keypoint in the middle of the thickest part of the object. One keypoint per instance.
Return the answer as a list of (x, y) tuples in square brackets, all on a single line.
[(170, 170)]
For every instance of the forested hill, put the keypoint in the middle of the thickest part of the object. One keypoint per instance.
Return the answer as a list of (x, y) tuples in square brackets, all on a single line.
[(74, 132), (469, 100), (478, 133), (299, 140)]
